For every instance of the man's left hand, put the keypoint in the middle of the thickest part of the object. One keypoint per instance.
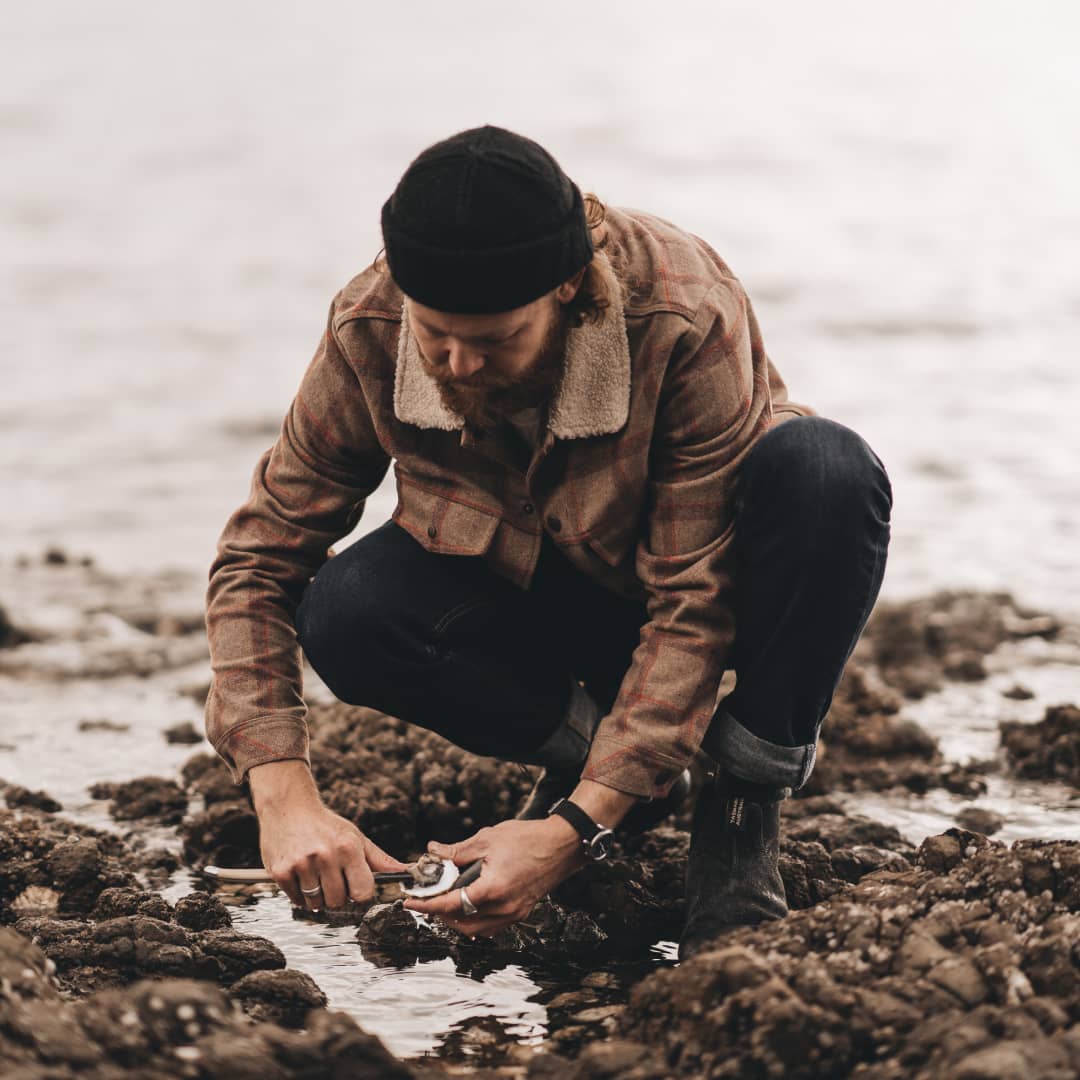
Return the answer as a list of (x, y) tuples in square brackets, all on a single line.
[(523, 862)]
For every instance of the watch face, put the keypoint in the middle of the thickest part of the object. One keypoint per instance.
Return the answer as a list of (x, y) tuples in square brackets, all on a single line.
[(600, 845)]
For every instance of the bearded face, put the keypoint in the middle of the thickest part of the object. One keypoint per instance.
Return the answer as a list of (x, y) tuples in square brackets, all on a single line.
[(488, 367)]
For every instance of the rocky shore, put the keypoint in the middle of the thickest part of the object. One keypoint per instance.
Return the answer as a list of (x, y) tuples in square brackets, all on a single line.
[(958, 956)]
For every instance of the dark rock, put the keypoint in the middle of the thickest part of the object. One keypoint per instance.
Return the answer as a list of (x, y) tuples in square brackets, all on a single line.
[(74, 860), (11, 636), (102, 725), (231, 954), (285, 997), (918, 644), (979, 819), (1016, 692), (1047, 750), (183, 733), (117, 902), (388, 933), (940, 969), (205, 774), (145, 797), (17, 796), (201, 911), (226, 833)]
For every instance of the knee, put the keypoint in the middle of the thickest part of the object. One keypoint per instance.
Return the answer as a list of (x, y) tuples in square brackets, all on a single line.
[(813, 465)]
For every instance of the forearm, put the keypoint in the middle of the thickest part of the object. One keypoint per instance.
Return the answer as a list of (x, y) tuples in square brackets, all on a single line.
[(279, 784), (603, 804)]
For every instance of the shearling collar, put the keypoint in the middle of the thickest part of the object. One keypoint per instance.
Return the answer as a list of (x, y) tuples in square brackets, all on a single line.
[(592, 398)]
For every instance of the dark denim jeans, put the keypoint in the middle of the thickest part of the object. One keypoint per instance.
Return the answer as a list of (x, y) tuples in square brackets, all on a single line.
[(441, 641)]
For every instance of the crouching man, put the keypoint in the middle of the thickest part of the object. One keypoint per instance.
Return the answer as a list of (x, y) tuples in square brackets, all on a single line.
[(605, 500)]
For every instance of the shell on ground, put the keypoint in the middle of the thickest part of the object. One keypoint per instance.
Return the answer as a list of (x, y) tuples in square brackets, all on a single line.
[(36, 900)]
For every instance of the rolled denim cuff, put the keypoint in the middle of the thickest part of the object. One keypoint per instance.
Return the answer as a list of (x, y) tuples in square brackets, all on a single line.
[(755, 759)]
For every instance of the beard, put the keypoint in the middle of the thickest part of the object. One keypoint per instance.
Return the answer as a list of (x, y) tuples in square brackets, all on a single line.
[(485, 399)]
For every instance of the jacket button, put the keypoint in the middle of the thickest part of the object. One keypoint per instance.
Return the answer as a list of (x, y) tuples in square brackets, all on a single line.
[(528, 508), (554, 524), (432, 531)]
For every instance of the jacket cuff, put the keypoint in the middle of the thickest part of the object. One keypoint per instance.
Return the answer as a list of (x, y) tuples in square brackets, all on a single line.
[(266, 738), (631, 768)]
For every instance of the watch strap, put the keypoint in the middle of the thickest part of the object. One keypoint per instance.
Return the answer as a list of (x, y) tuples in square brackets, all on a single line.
[(586, 828)]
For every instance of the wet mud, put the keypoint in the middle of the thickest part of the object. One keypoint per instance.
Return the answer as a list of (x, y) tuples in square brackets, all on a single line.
[(958, 957)]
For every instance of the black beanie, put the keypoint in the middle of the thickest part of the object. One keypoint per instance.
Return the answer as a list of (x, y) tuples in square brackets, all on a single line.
[(483, 222)]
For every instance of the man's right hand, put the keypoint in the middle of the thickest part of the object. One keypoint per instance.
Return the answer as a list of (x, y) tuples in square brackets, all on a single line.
[(305, 845)]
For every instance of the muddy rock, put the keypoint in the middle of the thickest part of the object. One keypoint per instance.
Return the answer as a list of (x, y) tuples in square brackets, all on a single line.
[(1047, 750), (866, 746), (115, 952), (388, 933), (205, 774), (10, 635), (102, 725), (117, 902), (612, 1057), (183, 733), (285, 997), (164, 1029), (18, 797), (980, 819), (145, 797), (77, 862), (967, 958), (201, 911), (919, 645), (226, 834)]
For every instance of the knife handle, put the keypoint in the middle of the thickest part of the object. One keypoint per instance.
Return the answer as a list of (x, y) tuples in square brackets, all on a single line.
[(468, 875)]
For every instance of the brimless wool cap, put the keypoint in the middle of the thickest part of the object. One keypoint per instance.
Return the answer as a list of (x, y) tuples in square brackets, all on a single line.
[(482, 222)]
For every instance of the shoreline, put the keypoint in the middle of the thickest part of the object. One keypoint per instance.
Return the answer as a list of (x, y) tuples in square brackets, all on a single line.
[(597, 995)]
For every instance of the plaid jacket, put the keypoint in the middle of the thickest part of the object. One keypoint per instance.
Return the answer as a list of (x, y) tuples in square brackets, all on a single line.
[(657, 408)]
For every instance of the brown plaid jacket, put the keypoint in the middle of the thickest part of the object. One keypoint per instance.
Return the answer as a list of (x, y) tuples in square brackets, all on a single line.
[(657, 408)]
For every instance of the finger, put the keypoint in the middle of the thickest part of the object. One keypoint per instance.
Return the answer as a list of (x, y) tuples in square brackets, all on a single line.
[(450, 903), (464, 852), (447, 904), (332, 880), (310, 888), (286, 882), (377, 859), (358, 877)]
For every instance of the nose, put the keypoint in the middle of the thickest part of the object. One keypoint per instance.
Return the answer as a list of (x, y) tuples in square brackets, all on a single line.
[(464, 363)]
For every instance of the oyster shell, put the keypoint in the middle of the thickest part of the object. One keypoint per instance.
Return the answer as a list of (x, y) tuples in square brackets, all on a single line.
[(36, 900)]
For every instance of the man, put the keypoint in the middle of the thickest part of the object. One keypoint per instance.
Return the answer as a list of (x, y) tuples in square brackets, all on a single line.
[(605, 499)]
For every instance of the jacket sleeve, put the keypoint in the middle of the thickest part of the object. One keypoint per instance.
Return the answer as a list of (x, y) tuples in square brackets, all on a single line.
[(308, 490), (714, 404)]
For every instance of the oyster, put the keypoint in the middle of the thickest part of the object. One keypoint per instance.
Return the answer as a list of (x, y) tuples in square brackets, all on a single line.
[(36, 900)]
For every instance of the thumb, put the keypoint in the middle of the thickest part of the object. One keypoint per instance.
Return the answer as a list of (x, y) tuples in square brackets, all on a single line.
[(377, 859), (463, 853)]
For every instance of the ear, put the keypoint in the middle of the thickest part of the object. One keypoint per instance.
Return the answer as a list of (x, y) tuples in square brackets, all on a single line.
[(569, 288)]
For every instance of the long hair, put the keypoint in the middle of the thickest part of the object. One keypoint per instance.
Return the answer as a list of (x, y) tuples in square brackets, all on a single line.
[(593, 297)]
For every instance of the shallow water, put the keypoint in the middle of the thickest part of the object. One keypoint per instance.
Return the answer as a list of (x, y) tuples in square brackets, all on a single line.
[(185, 188), (426, 1008)]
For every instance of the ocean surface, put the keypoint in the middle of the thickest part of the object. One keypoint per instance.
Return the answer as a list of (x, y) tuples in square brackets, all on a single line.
[(185, 187)]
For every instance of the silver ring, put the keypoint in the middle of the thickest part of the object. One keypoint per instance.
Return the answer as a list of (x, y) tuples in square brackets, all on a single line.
[(467, 906), (311, 892)]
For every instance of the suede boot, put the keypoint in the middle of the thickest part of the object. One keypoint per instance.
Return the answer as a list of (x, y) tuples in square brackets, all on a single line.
[(732, 875)]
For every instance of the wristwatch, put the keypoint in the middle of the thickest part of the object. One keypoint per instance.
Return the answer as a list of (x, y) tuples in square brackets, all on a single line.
[(595, 839)]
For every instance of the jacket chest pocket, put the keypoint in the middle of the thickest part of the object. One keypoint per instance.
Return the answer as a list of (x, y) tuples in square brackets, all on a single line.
[(441, 524)]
